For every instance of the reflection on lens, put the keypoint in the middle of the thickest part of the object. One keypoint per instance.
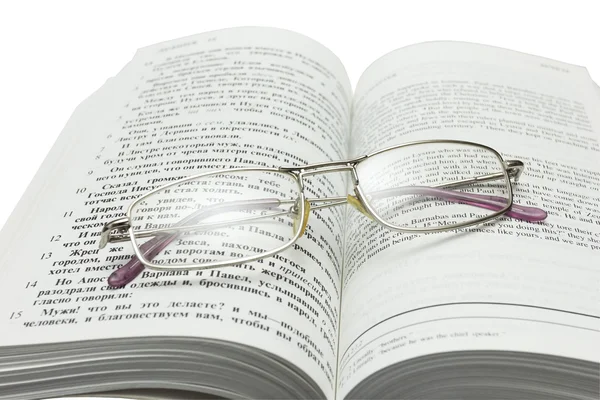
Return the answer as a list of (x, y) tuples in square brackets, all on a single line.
[(221, 217), (434, 185)]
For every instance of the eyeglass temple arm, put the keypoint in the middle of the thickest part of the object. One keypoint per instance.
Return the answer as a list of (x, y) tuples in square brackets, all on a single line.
[(495, 203), (130, 270), (122, 225), (514, 168)]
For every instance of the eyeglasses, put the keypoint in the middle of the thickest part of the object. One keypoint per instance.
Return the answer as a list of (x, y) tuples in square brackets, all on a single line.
[(234, 216)]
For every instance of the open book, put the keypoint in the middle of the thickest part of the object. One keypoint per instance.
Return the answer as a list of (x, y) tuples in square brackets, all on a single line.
[(508, 309)]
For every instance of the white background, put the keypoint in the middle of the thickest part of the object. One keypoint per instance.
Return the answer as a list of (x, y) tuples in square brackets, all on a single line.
[(55, 54)]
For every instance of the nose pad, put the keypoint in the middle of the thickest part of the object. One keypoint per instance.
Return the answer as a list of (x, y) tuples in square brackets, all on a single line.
[(298, 218), (354, 202)]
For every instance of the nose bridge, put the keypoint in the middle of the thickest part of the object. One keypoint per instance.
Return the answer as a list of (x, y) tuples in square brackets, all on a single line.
[(326, 169), (322, 170)]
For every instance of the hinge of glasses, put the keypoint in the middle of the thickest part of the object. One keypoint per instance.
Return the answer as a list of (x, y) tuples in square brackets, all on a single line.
[(115, 231), (514, 168)]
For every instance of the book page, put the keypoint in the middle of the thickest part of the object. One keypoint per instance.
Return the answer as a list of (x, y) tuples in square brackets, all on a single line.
[(232, 98), (507, 285)]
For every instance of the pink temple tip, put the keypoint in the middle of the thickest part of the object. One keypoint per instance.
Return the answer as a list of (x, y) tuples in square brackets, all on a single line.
[(126, 273), (134, 267), (530, 214)]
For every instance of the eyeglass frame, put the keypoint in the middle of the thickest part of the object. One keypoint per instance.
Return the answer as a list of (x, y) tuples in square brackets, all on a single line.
[(124, 230)]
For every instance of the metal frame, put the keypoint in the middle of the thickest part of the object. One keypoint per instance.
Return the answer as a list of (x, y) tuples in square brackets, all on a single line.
[(121, 229)]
